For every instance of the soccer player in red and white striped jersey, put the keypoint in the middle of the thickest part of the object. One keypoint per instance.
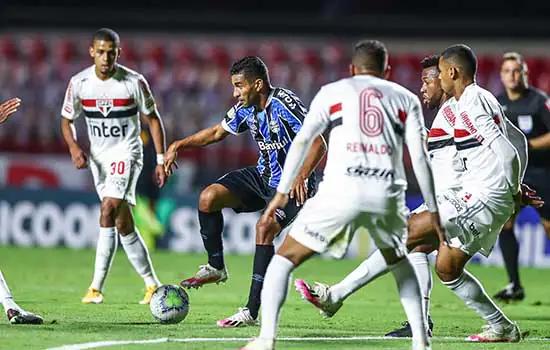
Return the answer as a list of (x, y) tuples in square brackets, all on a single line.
[(112, 99)]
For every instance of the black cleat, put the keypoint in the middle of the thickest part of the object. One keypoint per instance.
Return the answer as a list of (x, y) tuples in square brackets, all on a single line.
[(23, 317), (406, 332), (511, 292)]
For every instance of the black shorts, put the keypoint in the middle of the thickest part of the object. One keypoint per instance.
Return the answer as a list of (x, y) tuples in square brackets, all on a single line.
[(254, 194), (538, 179)]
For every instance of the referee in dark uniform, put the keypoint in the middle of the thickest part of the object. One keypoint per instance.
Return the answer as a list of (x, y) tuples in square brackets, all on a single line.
[(529, 109)]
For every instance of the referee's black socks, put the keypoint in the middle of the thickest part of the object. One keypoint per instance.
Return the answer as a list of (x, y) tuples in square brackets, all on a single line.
[(510, 253), (211, 233)]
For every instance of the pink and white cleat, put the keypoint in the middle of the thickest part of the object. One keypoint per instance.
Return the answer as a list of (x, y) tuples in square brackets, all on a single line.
[(509, 334), (242, 318), (319, 296), (206, 274), (260, 344)]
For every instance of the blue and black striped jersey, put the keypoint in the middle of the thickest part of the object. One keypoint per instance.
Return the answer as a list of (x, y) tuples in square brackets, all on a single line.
[(273, 129)]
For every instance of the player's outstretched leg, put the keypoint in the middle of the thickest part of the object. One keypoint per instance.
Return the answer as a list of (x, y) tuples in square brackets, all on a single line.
[(290, 255), (136, 250), (15, 314), (330, 299), (450, 269), (105, 252), (510, 254), (211, 201)]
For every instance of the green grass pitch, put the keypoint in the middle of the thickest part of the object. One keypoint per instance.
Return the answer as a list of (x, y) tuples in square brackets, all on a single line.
[(52, 282)]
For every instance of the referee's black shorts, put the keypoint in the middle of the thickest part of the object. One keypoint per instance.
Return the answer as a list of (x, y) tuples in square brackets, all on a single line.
[(539, 179), (254, 194)]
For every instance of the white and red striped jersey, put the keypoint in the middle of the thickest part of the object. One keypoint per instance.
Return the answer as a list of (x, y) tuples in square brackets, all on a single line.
[(370, 119), (479, 122), (441, 148), (111, 108)]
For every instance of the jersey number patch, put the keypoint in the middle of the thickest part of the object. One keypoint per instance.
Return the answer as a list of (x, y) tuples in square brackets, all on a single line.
[(371, 119)]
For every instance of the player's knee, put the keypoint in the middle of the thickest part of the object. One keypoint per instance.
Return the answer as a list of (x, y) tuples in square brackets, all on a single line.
[(108, 211), (207, 199), (447, 272), (509, 225), (266, 232)]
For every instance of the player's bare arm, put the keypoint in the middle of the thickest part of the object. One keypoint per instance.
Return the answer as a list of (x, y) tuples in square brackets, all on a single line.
[(541, 142), (316, 153), (8, 108), (156, 128), (202, 138), (78, 156)]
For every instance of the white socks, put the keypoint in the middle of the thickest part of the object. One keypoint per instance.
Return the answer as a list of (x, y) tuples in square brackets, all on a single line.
[(5, 295), (139, 257), (104, 255), (421, 266), (274, 293), (470, 290), (410, 294), (369, 270)]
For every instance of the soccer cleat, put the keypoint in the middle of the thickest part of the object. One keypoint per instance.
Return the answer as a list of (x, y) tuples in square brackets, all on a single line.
[(23, 317), (93, 296), (318, 295), (512, 292), (148, 294), (510, 334), (406, 332), (259, 344), (206, 274), (241, 319)]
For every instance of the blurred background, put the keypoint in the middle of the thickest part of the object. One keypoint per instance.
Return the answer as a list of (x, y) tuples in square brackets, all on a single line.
[(185, 52)]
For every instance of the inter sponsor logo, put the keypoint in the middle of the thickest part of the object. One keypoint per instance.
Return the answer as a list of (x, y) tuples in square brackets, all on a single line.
[(104, 130)]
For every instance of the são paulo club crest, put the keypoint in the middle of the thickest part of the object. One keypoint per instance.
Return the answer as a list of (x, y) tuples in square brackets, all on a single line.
[(104, 105)]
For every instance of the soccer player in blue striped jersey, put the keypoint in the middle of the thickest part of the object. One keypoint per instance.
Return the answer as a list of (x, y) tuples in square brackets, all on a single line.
[(273, 116)]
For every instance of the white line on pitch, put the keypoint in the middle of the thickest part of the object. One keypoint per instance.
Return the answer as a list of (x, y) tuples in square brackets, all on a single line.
[(107, 343)]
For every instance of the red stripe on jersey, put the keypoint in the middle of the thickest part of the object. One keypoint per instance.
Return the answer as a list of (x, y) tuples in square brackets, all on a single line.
[(461, 133), (436, 132), (402, 115), (335, 108), (117, 102)]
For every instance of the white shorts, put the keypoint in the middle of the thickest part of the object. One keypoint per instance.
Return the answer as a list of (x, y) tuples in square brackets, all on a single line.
[(471, 223), (420, 209), (116, 178), (326, 225)]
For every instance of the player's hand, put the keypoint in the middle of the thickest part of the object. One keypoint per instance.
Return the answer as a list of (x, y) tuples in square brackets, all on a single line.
[(278, 202), (299, 190), (436, 223), (170, 159), (79, 158), (160, 175), (528, 196), (8, 108)]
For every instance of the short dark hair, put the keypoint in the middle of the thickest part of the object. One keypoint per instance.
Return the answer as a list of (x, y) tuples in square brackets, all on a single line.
[(252, 67), (463, 56), (106, 34), (370, 54), (430, 61), (516, 57)]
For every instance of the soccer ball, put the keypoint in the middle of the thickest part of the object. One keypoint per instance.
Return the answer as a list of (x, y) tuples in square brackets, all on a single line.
[(169, 304)]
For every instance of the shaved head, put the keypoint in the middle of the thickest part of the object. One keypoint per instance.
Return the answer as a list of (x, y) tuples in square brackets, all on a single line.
[(370, 55), (462, 57)]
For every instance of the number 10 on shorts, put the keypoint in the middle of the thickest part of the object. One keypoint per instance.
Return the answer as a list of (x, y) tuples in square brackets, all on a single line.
[(118, 168)]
